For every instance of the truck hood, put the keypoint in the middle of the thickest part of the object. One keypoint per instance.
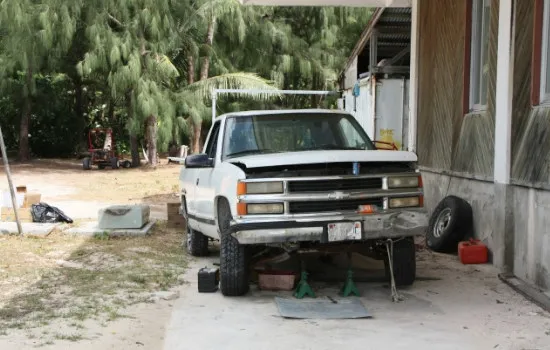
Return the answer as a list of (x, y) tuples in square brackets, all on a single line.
[(323, 156)]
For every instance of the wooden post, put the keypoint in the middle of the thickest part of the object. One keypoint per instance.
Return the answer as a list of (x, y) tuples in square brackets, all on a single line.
[(10, 183)]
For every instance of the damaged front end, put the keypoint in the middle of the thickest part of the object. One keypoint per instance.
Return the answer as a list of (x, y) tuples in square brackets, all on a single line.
[(329, 203)]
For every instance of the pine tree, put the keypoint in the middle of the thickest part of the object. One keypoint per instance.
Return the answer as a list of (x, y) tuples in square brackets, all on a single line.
[(158, 61), (36, 34), (129, 41), (298, 47)]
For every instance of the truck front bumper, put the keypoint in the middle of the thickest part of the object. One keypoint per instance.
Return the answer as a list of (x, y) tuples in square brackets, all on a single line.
[(315, 229)]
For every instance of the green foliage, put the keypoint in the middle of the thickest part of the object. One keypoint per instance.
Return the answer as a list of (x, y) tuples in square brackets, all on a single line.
[(115, 63), (37, 34), (56, 131)]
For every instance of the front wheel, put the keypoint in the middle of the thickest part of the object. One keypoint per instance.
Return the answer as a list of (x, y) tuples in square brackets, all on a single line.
[(233, 257)]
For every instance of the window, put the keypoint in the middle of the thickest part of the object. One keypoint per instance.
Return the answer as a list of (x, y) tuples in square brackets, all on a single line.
[(249, 135), (545, 55), (479, 44), (353, 137), (212, 144)]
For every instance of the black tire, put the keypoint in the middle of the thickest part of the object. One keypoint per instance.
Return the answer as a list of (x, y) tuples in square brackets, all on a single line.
[(197, 243), (87, 163), (115, 163), (404, 262), (449, 223), (234, 272), (126, 164)]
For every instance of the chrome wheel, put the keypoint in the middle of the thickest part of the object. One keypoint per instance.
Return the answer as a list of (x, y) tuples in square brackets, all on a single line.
[(442, 222)]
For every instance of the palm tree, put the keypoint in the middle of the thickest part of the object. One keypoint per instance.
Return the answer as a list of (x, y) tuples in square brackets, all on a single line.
[(197, 34)]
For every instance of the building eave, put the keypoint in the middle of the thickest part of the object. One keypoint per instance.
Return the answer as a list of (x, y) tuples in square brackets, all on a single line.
[(351, 3), (363, 39)]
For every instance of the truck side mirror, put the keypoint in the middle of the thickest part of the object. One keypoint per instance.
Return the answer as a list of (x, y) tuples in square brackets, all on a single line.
[(199, 161)]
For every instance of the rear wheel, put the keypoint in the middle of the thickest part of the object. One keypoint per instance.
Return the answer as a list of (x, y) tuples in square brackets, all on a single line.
[(197, 243), (115, 163), (233, 257), (87, 163), (404, 262)]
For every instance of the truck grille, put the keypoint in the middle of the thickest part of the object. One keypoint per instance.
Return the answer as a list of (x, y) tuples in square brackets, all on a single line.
[(328, 206), (334, 185)]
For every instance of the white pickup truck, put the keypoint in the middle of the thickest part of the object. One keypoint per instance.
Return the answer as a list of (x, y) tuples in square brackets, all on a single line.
[(299, 178)]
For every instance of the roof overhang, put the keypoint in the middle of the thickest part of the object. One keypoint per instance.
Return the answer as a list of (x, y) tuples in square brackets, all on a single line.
[(393, 38), (354, 3)]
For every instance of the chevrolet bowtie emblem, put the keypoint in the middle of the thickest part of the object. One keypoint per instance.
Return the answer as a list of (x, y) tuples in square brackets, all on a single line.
[(338, 195)]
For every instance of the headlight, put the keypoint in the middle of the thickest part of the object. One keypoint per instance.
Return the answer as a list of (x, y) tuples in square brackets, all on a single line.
[(404, 182), (272, 208), (406, 202), (259, 187)]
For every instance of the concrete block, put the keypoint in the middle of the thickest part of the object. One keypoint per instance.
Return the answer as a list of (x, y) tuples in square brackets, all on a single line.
[(124, 217)]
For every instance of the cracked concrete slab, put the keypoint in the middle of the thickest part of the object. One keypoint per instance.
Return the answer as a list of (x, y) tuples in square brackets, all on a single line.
[(91, 229), (453, 307), (29, 228)]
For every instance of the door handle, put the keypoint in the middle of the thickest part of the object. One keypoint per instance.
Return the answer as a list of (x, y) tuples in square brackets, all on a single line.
[(197, 182)]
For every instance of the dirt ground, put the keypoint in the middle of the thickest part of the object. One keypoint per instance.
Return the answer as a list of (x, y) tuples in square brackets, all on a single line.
[(80, 194), (64, 292)]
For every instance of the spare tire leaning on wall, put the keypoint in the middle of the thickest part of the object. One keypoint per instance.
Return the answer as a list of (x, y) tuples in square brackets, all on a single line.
[(450, 222)]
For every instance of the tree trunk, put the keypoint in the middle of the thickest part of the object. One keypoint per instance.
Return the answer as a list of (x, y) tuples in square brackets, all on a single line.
[(24, 150), (79, 104), (134, 149), (134, 146), (190, 80), (314, 101), (152, 140), (209, 40), (111, 112), (190, 69), (197, 127)]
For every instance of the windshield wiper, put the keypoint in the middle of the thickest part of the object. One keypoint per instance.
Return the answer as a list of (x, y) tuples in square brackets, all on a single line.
[(332, 147), (249, 152)]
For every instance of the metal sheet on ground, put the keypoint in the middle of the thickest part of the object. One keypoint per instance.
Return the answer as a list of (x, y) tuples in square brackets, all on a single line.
[(350, 308)]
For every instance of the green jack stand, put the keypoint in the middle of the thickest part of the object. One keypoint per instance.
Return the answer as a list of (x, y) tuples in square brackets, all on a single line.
[(303, 288), (350, 287)]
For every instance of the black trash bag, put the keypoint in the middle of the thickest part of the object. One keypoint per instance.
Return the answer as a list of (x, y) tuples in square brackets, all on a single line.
[(45, 213)]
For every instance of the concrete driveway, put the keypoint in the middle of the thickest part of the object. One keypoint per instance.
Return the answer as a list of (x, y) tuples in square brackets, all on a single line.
[(451, 306)]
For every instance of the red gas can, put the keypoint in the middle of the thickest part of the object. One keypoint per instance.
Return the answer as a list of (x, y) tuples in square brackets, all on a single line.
[(472, 252)]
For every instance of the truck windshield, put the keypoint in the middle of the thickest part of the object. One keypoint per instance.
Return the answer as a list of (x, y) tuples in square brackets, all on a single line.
[(293, 133)]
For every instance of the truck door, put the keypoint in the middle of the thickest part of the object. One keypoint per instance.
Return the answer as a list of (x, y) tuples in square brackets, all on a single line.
[(205, 189)]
